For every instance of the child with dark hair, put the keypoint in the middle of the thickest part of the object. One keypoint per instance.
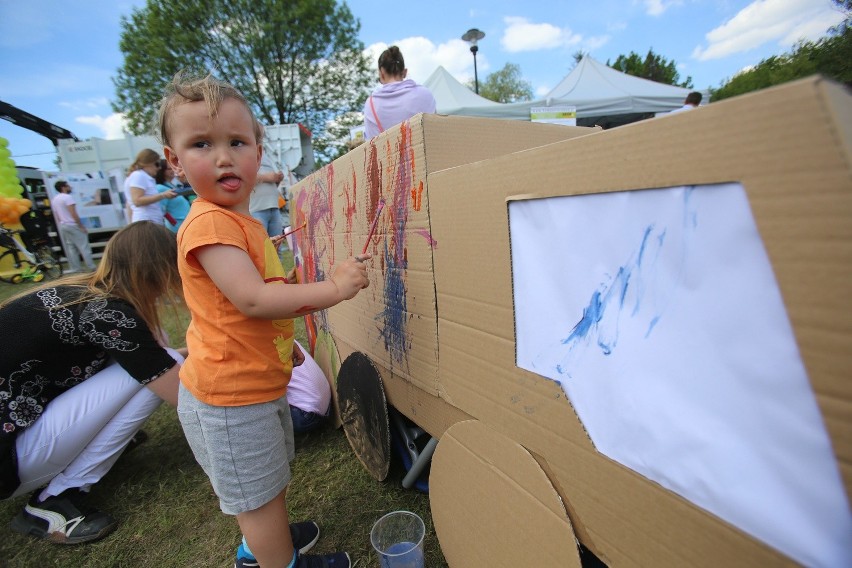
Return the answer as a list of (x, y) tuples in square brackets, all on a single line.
[(232, 402), (397, 99), (175, 209)]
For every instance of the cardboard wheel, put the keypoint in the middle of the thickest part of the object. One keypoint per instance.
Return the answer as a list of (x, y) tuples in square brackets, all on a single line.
[(493, 505), (364, 413)]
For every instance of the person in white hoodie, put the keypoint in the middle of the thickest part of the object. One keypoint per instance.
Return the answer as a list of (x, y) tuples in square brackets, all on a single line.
[(397, 99)]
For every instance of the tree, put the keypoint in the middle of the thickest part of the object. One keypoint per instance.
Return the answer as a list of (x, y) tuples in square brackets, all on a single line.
[(831, 56), (505, 85), (653, 67), (294, 60)]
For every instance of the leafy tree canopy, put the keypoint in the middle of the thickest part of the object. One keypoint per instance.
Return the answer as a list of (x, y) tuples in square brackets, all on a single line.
[(294, 60), (505, 85), (831, 56), (652, 66)]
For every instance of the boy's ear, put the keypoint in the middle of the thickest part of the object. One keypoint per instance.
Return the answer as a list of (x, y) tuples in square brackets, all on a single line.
[(173, 160), (259, 154)]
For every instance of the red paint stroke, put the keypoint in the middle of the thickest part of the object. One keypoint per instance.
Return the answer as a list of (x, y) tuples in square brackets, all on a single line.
[(428, 236), (350, 197), (417, 196), (275, 279), (373, 225)]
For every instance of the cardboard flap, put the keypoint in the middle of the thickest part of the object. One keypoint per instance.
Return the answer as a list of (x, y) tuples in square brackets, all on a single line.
[(490, 499)]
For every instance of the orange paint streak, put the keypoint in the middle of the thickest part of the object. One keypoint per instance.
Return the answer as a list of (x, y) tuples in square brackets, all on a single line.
[(417, 196)]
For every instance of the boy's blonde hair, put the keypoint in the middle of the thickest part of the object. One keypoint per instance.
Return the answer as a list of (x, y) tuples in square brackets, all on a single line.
[(186, 89)]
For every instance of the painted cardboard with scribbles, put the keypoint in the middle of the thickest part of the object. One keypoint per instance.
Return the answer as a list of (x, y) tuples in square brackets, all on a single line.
[(632, 343)]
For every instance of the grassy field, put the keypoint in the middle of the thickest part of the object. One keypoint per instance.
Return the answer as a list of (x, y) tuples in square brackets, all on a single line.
[(170, 517)]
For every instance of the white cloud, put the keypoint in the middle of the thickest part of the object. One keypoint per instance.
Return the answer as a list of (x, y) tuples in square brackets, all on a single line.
[(763, 21), (85, 104), (658, 7), (541, 92), (523, 35), (422, 57), (113, 126), (596, 42)]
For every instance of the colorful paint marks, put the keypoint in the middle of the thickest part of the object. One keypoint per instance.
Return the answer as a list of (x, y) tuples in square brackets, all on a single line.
[(386, 172)]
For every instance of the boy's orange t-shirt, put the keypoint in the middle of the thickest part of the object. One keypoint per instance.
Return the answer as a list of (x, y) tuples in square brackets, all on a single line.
[(234, 360)]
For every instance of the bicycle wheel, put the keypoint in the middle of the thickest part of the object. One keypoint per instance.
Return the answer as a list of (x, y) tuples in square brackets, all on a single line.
[(18, 265), (47, 262)]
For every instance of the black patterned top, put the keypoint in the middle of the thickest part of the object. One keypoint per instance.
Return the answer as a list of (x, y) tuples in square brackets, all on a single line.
[(47, 347)]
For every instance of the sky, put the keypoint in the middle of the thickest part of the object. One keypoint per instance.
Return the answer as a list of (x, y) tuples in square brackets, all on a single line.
[(57, 58)]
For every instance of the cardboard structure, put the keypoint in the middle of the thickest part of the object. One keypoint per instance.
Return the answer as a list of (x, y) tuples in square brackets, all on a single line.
[(528, 462)]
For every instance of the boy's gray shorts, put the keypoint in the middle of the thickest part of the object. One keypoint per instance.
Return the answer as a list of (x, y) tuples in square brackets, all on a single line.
[(244, 450)]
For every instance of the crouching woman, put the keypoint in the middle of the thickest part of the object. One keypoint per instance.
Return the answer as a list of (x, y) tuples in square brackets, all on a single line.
[(83, 364)]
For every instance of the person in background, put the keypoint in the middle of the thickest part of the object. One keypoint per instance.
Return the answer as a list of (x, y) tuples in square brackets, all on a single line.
[(308, 394), (140, 188), (397, 99), (263, 204), (74, 234), (84, 364), (231, 402), (183, 188), (175, 209), (691, 102)]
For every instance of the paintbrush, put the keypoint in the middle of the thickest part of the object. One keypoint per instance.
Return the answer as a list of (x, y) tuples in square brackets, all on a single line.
[(291, 231)]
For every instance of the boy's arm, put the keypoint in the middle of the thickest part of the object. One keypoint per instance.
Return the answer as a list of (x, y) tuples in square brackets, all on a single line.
[(233, 272)]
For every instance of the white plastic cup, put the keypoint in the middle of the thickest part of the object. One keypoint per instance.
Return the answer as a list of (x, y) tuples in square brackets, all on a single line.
[(398, 540)]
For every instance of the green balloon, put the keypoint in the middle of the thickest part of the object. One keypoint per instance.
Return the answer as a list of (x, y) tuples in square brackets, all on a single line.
[(3, 142)]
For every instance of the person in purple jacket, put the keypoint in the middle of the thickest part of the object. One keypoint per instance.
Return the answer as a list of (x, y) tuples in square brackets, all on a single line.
[(397, 99)]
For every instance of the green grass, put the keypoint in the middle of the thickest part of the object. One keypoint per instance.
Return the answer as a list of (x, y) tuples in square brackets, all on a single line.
[(168, 515)]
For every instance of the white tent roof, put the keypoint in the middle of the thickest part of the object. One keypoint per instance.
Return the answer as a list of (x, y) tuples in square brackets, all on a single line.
[(596, 89), (453, 97), (592, 87)]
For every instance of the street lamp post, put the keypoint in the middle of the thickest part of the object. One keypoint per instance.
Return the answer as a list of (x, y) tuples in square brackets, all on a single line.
[(472, 36)]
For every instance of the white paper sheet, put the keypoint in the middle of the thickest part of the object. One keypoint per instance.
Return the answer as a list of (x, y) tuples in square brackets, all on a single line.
[(659, 314)]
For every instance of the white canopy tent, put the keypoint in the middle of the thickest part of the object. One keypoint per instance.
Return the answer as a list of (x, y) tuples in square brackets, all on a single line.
[(597, 89), (452, 97), (601, 95)]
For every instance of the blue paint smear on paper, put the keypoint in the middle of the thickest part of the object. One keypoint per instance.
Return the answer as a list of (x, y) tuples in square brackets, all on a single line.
[(599, 324)]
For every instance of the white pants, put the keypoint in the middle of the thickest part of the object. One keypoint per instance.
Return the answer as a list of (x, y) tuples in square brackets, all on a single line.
[(78, 245), (82, 432)]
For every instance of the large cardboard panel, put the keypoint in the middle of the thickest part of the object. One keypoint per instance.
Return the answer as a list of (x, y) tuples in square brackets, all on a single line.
[(789, 147), (395, 320)]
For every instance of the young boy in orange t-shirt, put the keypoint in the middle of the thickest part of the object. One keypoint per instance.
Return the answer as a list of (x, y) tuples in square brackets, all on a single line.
[(232, 403)]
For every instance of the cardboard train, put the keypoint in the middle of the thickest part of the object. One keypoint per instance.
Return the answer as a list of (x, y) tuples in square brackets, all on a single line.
[(639, 339)]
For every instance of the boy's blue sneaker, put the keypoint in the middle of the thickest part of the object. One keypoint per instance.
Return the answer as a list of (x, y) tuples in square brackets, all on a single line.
[(244, 559), (333, 560), (305, 535)]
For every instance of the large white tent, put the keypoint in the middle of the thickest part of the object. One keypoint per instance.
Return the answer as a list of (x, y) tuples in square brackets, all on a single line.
[(601, 95), (452, 97), (598, 90)]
